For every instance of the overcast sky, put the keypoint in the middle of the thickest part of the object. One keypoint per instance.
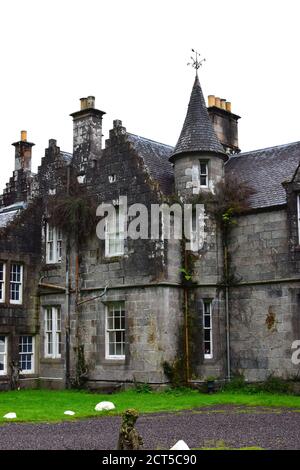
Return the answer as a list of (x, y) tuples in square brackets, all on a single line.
[(132, 56)]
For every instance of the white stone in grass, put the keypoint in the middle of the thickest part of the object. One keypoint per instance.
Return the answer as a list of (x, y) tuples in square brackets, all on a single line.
[(180, 445), (69, 413), (10, 416), (104, 406)]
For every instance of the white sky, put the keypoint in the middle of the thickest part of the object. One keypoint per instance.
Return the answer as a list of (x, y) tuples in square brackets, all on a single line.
[(132, 55)]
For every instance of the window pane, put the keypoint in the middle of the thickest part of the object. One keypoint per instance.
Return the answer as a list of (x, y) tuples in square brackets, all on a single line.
[(2, 344), (110, 323), (207, 308), (206, 335), (58, 322), (203, 181), (49, 344), (203, 168)]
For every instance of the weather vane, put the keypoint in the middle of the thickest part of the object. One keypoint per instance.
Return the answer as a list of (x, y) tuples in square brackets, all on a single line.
[(196, 62)]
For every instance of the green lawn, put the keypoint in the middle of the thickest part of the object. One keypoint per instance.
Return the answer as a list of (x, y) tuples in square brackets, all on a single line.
[(45, 405)]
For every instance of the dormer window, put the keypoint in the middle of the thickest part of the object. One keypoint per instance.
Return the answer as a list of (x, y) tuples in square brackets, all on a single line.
[(53, 244), (204, 174)]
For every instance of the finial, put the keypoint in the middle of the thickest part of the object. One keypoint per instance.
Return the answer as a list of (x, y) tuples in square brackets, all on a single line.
[(196, 62)]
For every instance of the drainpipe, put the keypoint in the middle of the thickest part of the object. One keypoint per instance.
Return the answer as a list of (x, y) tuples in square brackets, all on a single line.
[(227, 312), (186, 327), (68, 384)]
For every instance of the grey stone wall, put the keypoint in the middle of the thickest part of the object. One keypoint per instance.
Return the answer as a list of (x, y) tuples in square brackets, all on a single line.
[(265, 306), (186, 172), (153, 324)]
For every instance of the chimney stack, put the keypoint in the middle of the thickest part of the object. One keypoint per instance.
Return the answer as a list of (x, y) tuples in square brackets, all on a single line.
[(87, 133), (225, 123), (23, 150)]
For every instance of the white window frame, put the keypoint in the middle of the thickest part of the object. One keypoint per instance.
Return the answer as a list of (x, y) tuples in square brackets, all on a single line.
[(112, 308), (54, 332), (3, 283), (53, 245), (202, 162), (4, 354), (32, 354), (115, 226), (12, 283), (298, 211), (208, 313)]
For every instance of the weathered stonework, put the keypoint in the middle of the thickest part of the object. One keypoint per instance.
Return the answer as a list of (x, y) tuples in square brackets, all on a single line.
[(164, 315)]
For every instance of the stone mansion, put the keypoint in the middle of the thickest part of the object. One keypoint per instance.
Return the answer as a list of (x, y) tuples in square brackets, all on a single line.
[(113, 312)]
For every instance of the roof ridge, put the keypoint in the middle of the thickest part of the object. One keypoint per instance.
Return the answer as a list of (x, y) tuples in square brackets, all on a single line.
[(264, 148), (150, 140)]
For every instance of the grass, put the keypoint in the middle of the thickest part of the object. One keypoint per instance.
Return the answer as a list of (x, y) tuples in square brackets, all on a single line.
[(49, 406)]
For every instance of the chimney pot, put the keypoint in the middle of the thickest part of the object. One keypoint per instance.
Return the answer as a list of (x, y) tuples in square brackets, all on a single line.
[(83, 103), (218, 102), (90, 102), (211, 100), (223, 103), (23, 136), (228, 106)]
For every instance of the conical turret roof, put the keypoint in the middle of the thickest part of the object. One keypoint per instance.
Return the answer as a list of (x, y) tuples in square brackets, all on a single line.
[(197, 134)]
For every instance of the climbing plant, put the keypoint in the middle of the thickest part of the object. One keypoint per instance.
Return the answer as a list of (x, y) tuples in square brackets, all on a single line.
[(74, 211)]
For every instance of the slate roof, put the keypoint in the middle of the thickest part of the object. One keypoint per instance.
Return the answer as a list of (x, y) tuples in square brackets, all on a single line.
[(156, 159), (8, 213), (197, 134), (265, 170)]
